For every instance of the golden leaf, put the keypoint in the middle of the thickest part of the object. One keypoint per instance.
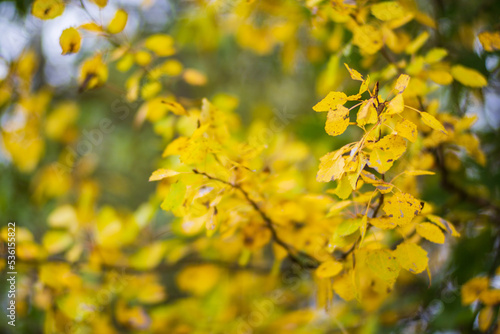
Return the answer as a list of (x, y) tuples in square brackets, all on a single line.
[(468, 76), (118, 22), (402, 207), (329, 269), (70, 41), (337, 121), (388, 10), (47, 9), (331, 101), (411, 257), (407, 129), (431, 232), (383, 263), (431, 121)]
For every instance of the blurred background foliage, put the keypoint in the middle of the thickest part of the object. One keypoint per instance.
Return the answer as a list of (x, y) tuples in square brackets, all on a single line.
[(268, 78)]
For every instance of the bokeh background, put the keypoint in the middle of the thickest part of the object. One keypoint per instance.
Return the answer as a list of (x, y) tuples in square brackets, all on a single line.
[(266, 82)]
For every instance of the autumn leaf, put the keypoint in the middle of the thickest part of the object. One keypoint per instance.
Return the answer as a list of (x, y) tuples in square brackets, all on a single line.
[(70, 41), (161, 44), (118, 22), (387, 10), (385, 152), (396, 105), (329, 269), (468, 76), (430, 232), (402, 207), (432, 122), (175, 197), (411, 257), (162, 173), (331, 102), (355, 75), (337, 121), (407, 129), (47, 9), (383, 263), (490, 40), (402, 83)]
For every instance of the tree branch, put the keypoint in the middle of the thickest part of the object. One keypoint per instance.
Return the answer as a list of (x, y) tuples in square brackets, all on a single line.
[(301, 258)]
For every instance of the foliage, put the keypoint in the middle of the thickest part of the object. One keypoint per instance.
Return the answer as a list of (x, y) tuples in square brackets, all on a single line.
[(351, 216)]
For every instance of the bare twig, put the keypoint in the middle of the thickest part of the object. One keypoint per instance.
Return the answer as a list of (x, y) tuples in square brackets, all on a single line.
[(301, 258)]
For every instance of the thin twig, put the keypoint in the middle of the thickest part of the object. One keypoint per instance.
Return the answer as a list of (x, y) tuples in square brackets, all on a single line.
[(301, 258)]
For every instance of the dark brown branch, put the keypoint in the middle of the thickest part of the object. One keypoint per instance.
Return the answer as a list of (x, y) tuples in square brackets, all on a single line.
[(301, 258)]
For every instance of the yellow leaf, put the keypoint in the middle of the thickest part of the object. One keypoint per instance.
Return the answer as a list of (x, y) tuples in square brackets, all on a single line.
[(418, 172), (411, 257), (490, 40), (468, 76), (331, 167), (150, 89), (402, 83), (355, 75), (70, 41), (331, 101), (387, 10), (175, 197), (329, 269), (490, 297), (64, 216), (396, 105), (47, 9), (175, 107), (58, 123), (417, 43), (337, 121), (58, 276), (162, 173), (194, 77), (368, 38), (431, 121), (148, 257), (384, 223), (198, 280), (161, 44), (337, 207), (431, 232), (344, 188), (473, 288), (385, 152), (402, 207), (407, 129), (435, 55), (344, 287), (56, 241), (348, 227), (364, 86), (93, 73), (484, 318), (367, 113), (383, 187), (444, 224), (118, 22), (143, 58), (383, 263), (100, 3), (363, 227), (172, 67), (440, 77)]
